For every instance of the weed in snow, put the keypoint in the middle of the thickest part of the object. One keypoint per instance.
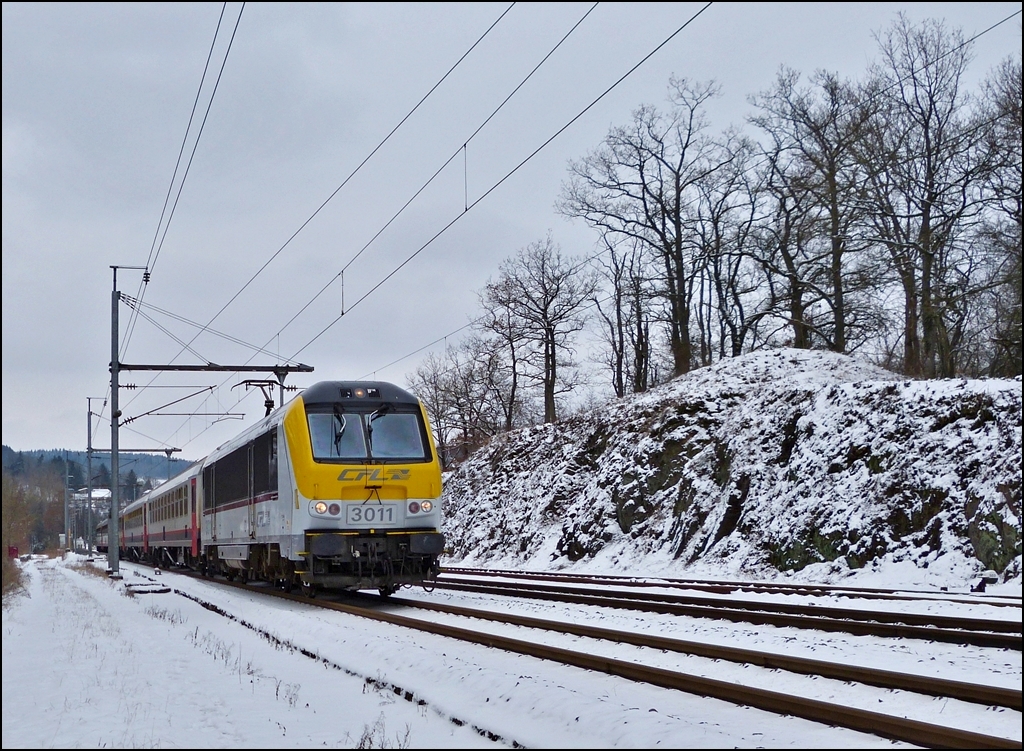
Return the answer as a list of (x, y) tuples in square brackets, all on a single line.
[(377, 736)]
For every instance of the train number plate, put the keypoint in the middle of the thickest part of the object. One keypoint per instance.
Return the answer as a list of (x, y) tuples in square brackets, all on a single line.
[(371, 514)]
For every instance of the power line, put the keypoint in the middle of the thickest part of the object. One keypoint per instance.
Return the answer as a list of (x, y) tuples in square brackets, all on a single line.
[(202, 126), (431, 179), (136, 304), (184, 140), (346, 180), (154, 255), (506, 177), (485, 195), (478, 319), (160, 222), (356, 170)]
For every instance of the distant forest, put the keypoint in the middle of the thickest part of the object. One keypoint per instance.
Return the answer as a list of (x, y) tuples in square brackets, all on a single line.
[(43, 492), (142, 466)]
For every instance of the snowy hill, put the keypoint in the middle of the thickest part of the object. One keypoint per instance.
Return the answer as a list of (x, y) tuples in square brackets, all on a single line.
[(780, 461)]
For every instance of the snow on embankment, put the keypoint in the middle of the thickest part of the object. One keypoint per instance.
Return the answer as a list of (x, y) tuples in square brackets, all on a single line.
[(769, 462)]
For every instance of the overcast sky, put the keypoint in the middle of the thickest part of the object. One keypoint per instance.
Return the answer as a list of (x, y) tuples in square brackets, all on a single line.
[(97, 98)]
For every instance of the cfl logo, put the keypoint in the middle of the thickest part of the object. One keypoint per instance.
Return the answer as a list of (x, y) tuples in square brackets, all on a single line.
[(352, 475)]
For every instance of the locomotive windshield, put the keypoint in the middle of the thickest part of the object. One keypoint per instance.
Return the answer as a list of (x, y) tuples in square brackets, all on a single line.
[(386, 434)]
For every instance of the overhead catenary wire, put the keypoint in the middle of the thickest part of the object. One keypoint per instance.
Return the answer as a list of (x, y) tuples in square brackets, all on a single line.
[(340, 274), (460, 149), (151, 265), (151, 261), (204, 389), (515, 169), (184, 140), (154, 251), (181, 151), (468, 205), (354, 172), (129, 429), (572, 270), (187, 346), (430, 180), (345, 182), (509, 174), (135, 303)]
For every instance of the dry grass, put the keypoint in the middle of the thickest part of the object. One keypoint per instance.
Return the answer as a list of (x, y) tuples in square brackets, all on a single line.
[(88, 569), (11, 577), (377, 737)]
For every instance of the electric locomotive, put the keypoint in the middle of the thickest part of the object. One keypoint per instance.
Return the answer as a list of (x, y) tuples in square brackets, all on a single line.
[(337, 489)]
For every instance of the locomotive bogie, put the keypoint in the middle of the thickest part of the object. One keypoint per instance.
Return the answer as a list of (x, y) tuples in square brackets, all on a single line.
[(353, 560)]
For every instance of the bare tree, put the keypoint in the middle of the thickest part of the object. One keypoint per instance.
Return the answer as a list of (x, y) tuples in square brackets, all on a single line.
[(625, 313), (543, 296), (430, 384), (501, 321), (725, 216), (477, 417), (925, 169), (814, 132), (1001, 233), (465, 393), (639, 184), (17, 514)]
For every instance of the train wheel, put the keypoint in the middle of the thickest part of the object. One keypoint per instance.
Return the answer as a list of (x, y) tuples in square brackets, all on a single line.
[(309, 590), (387, 591)]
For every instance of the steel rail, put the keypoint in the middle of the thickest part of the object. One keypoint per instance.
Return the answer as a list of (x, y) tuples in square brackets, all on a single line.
[(855, 614), (729, 587), (874, 723), (756, 617), (910, 619)]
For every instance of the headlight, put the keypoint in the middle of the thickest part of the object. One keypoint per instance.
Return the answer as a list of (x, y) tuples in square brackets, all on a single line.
[(335, 509), (320, 507), (426, 506), (414, 507)]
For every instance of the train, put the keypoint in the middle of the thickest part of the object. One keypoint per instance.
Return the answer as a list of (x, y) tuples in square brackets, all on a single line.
[(336, 490)]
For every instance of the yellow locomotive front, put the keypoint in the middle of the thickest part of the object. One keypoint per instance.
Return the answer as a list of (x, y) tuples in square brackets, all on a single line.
[(366, 487)]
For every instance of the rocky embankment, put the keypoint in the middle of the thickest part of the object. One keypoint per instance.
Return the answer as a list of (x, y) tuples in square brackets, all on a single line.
[(774, 461)]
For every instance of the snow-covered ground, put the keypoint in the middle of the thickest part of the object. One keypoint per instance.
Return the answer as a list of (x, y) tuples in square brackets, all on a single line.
[(85, 665)]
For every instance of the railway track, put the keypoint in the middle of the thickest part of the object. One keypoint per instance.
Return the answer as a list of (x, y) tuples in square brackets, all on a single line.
[(734, 587), (877, 723), (1003, 633), (988, 695)]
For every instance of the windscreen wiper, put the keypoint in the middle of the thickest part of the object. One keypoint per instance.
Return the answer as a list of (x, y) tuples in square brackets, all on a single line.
[(379, 412), (339, 429)]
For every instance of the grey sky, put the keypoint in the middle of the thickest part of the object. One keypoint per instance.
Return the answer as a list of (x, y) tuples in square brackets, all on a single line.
[(96, 99)]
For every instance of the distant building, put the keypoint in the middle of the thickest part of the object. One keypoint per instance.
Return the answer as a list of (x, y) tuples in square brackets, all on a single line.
[(100, 505)]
